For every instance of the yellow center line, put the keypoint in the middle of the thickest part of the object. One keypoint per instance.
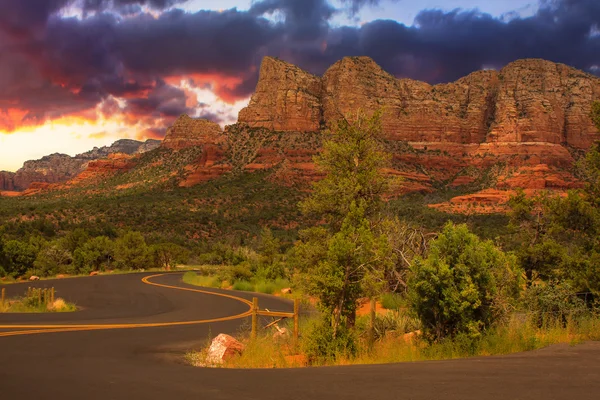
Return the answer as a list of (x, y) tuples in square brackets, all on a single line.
[(35, 329)]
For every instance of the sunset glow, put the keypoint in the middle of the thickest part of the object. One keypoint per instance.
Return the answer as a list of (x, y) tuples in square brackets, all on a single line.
[(76, 74)]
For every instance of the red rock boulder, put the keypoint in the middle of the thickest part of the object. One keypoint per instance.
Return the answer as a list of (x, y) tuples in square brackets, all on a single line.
[(222, 348)]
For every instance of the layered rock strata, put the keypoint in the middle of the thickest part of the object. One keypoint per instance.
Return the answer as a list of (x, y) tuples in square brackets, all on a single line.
[(188, 132), (530, 113)]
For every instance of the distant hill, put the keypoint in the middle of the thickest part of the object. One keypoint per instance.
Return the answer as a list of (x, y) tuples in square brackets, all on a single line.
[(56, 168)]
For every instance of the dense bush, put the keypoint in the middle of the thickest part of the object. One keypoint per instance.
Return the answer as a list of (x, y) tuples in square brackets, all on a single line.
[(463, 286), (552, 302), (321, 344)]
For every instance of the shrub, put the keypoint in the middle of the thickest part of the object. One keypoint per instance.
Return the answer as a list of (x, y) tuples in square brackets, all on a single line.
[(265, 287), (244, 286), (192, 278), (321, 345), (463, 286), (241, 272), (392, 301), (553, 302), (272, 271), (390, 323)]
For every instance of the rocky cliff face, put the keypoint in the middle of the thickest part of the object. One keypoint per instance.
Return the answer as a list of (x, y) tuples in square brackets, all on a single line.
[(122, 146), (286, 99), (188, 132), (57, 168), (528, 101), (7, 180), (532, 112), (97, 170)]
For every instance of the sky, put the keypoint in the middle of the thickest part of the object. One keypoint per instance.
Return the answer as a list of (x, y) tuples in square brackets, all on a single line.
[(75, 74)]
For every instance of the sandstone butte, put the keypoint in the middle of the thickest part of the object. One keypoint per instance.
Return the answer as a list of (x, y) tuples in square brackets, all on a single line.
[(525, 122), (529, 118)]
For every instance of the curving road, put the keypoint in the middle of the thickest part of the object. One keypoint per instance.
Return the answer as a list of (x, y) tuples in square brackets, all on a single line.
[(145, 329)]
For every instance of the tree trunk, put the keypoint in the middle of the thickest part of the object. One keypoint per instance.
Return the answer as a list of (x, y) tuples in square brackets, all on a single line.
[(340, 307), (351, 319)]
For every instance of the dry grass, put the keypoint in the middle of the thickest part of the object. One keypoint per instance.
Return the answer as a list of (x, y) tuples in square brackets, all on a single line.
[(23, 306), (516, 336)]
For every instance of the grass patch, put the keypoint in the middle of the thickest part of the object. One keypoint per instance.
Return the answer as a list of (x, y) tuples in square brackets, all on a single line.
[(192, 278), (25, 305), (516, 336), (395, 345), (218, 277), (243, 286), (270, 286)]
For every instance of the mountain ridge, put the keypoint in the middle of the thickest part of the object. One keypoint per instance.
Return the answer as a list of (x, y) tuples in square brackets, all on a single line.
[(59, 167), (521, 126)]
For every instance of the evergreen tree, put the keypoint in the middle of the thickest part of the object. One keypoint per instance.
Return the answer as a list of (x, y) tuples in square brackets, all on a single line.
[(463, 286), (352, 262)]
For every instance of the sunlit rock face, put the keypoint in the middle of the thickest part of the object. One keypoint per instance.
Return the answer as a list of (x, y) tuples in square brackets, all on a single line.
[(529, 113), (189, 132)]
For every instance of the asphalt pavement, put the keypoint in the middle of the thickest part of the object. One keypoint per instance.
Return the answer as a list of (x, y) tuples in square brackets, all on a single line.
[(146, 362)]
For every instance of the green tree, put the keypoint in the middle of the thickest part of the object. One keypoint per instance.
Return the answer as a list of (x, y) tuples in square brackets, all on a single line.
[(269, 246), (538, 254), (271, 260), (168, 255), (541, 261), (349, 198), (351, 159), (131, 251), (54, 258), (94, 255), (76, 239), (3, 261), (463, 286), (353, 267), (595, 114), (588, 169), (20, 257)]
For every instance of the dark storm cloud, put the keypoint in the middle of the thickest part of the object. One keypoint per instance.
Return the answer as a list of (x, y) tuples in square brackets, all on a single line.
[(356, 5), (163, 100), (20, 16), (106, 4), (205, 42), (304, 20), (79, 62), (213, 117), (445, 46)]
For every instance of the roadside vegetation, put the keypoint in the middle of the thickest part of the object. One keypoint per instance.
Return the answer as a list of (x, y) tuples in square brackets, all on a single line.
[(36, 301), (225, 277), (456, 285), (450, 293)]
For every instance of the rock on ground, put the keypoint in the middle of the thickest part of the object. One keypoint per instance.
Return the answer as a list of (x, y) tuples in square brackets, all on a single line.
[(222, 348)]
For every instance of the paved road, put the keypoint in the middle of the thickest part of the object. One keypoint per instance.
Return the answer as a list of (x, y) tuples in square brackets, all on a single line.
[(143, 363)]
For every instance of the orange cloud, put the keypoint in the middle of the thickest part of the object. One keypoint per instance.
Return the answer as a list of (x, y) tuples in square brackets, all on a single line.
[(223, 86), (11, 119), (98, 135), (151, 133)]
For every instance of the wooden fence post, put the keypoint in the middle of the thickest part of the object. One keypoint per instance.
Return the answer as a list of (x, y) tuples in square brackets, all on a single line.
[(3, 296), (372, 320), (28, 292), (254, 317), (52, 295), (296, 320), (39, 296)]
